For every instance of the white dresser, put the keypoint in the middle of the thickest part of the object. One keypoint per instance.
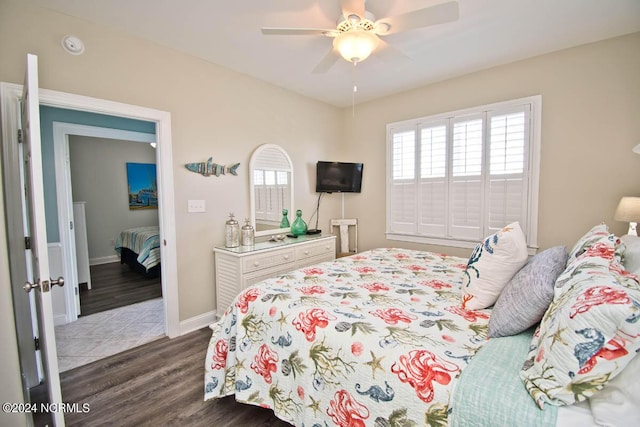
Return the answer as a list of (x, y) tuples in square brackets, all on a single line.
[(241, 267)]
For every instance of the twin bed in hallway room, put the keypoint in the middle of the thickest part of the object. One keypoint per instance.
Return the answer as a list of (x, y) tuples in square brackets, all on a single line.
[(393, 337), (140, 249)]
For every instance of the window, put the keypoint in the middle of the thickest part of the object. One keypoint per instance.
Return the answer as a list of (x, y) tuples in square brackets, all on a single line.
[(271, 195), (456, 177)]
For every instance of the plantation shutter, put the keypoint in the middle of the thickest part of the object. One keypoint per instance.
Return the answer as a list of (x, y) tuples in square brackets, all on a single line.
[(272, 185), (261, 195), (402, 206), (283, 196), (453, 178), (466, 191), (433, 180), (272, 195), (508, 167)]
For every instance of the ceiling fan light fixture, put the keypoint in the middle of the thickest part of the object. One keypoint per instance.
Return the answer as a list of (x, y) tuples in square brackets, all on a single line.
[(356, 45)]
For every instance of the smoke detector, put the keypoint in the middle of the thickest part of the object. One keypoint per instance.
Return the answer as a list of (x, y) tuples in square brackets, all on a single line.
[(73, 45)]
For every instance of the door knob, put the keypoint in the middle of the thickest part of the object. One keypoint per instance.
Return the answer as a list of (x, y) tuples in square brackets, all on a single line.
[(28, 286), (59, 281), (44, 286)]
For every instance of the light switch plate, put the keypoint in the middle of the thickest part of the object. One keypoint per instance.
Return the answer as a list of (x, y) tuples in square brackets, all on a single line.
[(196, 206)]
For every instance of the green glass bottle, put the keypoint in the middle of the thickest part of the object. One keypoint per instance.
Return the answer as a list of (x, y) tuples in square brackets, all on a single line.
[(299, 227), (285, 219)]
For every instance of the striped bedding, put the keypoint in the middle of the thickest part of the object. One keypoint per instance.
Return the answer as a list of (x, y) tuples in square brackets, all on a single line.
[(144, 241)]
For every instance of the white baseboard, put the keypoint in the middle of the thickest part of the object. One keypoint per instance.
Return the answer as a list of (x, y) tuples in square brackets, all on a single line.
[(197, 322), (104, 260), (60, 319)]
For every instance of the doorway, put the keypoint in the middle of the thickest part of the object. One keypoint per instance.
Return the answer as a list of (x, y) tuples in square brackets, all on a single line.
[(11, 100), (120, 308), (97, 206)]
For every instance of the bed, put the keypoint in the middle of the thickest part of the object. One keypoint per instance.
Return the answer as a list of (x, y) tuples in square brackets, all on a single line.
[(140, 249), (380, 338)]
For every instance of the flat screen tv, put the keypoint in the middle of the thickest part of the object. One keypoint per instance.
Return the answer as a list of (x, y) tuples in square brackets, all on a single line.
[(338, 177)]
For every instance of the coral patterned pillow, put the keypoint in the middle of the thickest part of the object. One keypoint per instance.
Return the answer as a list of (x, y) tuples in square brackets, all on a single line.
[(492, 264), (598, 233), (600, 254), (587, 336)]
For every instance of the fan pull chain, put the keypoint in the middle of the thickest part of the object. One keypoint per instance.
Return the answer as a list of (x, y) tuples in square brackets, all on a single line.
[(355, 89)]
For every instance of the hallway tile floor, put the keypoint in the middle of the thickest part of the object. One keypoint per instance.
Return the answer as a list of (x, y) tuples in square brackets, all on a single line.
[(99, 335)]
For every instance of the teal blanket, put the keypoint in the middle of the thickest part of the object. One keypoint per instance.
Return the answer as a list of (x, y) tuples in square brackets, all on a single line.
[(490, 391)]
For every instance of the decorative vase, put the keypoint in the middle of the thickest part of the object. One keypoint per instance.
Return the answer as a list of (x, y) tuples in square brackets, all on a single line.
[(299, 227), (285, 219), (232, 233), (247, 234)]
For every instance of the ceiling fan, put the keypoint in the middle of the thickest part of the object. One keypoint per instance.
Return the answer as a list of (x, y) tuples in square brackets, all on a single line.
[(357, 33)]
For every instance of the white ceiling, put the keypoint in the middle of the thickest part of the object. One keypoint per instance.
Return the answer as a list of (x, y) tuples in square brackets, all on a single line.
[(488, 33)]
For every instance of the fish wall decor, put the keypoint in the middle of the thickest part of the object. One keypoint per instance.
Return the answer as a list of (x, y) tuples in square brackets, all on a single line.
[(209, 168)]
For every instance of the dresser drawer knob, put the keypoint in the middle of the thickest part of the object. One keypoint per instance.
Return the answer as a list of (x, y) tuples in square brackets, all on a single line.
[(286, 256), (306, 252), (256, 263)]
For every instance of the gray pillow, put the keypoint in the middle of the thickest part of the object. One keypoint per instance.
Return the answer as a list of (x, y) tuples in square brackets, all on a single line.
[(525, 299)]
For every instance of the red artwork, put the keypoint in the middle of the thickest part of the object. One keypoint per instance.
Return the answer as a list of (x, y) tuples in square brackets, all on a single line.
[(308, 321), (596, 296), (392, 316), (375, 287), (345, 411), (219, 359), (420, 368), (265, 363), (247, 297)]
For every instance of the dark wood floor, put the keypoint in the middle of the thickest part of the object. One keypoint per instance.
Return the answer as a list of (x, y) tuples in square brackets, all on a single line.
[(115, 285), (160, 383)]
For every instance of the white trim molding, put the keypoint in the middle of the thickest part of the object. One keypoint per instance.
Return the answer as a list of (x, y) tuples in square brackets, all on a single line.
[(61, 133), (11, 96), (197, 322), (104, 260)]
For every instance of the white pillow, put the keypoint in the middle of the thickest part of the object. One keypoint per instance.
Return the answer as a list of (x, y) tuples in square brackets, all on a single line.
[(493, 263), (631, 254), (618, 403)]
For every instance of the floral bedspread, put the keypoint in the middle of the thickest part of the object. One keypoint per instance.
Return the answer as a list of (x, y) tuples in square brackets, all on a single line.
[(379, 338)]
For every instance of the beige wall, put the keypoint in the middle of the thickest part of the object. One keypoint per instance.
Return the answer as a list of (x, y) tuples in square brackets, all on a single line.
[(591, 106), (99, 178), (214, 112), (590, 123)]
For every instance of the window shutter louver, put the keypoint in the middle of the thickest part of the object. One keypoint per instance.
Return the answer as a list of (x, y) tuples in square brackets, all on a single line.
[(402, 210), (508, 182), (456, 177), (261, 194), (271, 194), (433, 184), (465, 205)]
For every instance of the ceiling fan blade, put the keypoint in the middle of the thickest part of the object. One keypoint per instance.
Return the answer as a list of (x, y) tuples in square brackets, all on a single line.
[(388, 53), (352, 7), (272, 31), (439, 14), (327, 62)]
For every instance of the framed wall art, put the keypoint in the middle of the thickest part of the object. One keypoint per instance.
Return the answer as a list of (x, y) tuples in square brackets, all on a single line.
[(142, 186)]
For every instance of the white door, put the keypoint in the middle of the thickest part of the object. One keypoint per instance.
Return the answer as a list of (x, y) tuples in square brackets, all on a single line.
[(38, 278)]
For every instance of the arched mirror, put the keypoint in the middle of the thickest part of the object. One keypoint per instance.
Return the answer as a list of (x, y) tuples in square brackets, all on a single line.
[(270, 188)]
